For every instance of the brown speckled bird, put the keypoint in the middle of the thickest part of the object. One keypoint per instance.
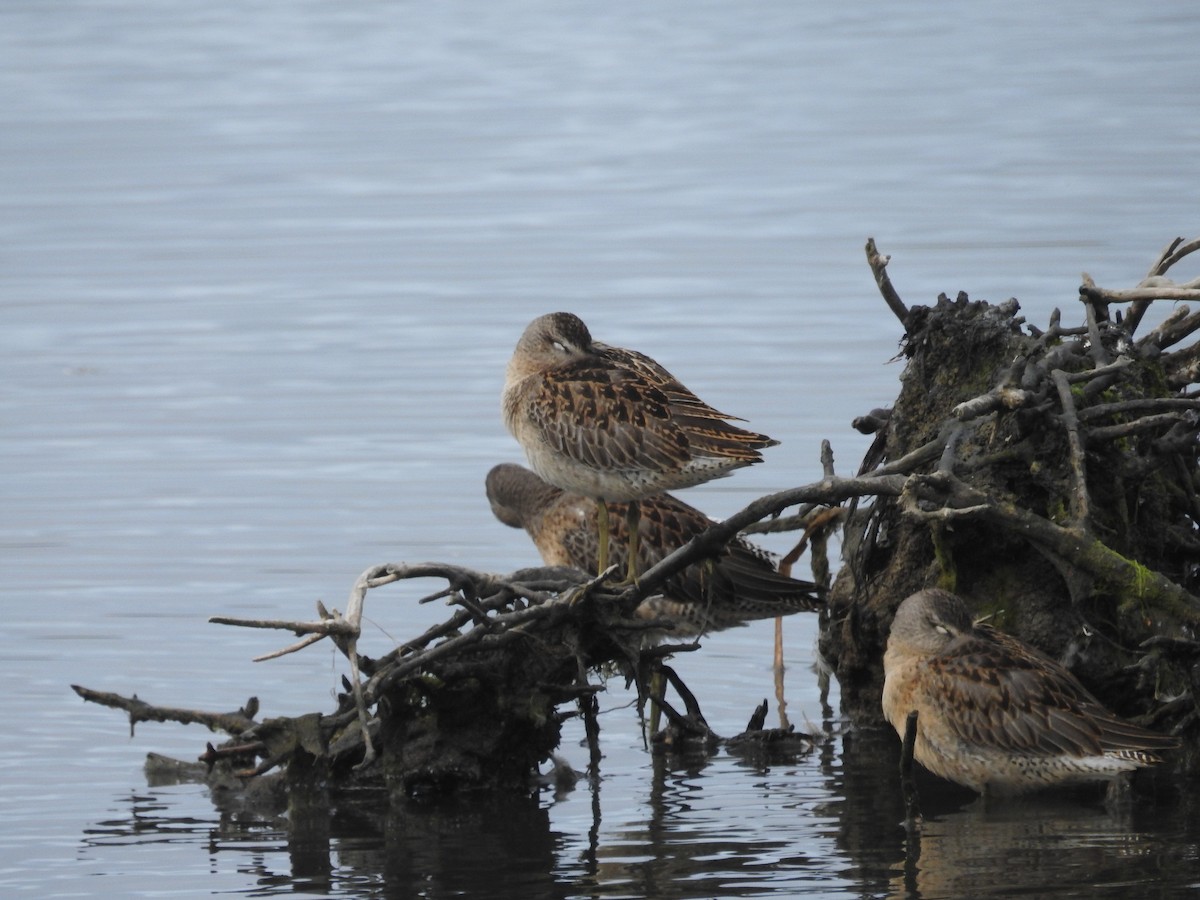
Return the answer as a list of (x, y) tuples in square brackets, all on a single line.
[(740, 585), (995, 715), (612, 424)]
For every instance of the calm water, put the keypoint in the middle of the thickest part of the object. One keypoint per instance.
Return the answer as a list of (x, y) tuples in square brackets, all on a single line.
[(261, 266)]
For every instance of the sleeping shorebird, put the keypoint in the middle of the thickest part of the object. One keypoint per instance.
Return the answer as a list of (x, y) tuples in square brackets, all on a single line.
[(994, 714), (739, 585), (612, 424)]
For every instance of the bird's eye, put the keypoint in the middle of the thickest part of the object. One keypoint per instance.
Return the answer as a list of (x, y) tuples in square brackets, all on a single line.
[(559, 346), (940, 628)]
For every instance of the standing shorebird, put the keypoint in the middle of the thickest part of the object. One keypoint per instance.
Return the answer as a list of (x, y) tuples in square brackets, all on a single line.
[(994, 714), (740, 585), (612, 424)]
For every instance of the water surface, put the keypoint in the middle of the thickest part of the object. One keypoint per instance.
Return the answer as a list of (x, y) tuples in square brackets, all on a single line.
[(262, 265)]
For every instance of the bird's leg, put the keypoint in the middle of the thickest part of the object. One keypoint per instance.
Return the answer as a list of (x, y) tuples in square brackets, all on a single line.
[(632, 514), (602, 552)]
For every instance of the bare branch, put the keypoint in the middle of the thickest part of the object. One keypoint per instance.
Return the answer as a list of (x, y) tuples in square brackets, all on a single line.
[(709, 542), (1125, 429), (140, 711), (1127, 406), (1163, 262), (1173, 329), (1112, 368), (1097, 312), (1153, 287), (284, 651), (878, 263), (1079, 494), (1003, 397), (1189, 290)]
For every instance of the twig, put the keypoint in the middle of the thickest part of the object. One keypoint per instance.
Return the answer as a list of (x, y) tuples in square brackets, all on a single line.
[(1163, 262), (1137, 426), (817, 524), (1004, 397), (1079, 495), (1187, 325), (139, 711), (796, 522), (1112, 368), (709, 542), (274, 654), (1178, 251), (360, 704), (1101, 410), (318, 629), (878, 263), (1153, 285), (1097, 311), (916, 492), (827, 460), (1189, 290)]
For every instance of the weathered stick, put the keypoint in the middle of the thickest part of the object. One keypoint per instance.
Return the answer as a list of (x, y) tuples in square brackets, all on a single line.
[(1153, 286), (1189, 290), (709, 542), (1146, 404), (139, 711), (1079, 493), (1125, 429), (878, 263)]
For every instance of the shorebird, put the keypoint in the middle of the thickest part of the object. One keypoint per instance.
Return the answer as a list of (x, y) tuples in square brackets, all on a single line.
[(612, 424), (995, 715), (740, 585)]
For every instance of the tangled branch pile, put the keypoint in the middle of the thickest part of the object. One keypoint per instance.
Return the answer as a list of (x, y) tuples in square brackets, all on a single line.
[(1050, 477), (1052, 480)]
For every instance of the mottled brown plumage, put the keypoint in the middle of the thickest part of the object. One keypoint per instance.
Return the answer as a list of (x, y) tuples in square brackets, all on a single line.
[(994, 714), (612, 424), (740, 585)]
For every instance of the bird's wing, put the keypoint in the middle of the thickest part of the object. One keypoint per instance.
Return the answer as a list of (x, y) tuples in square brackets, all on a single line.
[(607, 418), (997, 693)]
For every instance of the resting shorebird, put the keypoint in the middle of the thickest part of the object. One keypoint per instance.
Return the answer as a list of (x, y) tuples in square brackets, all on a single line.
[(994, 714), (612, 424), (740, 585)]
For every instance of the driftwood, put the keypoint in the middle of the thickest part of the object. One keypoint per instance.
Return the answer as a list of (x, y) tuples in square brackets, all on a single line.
[(1050, 477)]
